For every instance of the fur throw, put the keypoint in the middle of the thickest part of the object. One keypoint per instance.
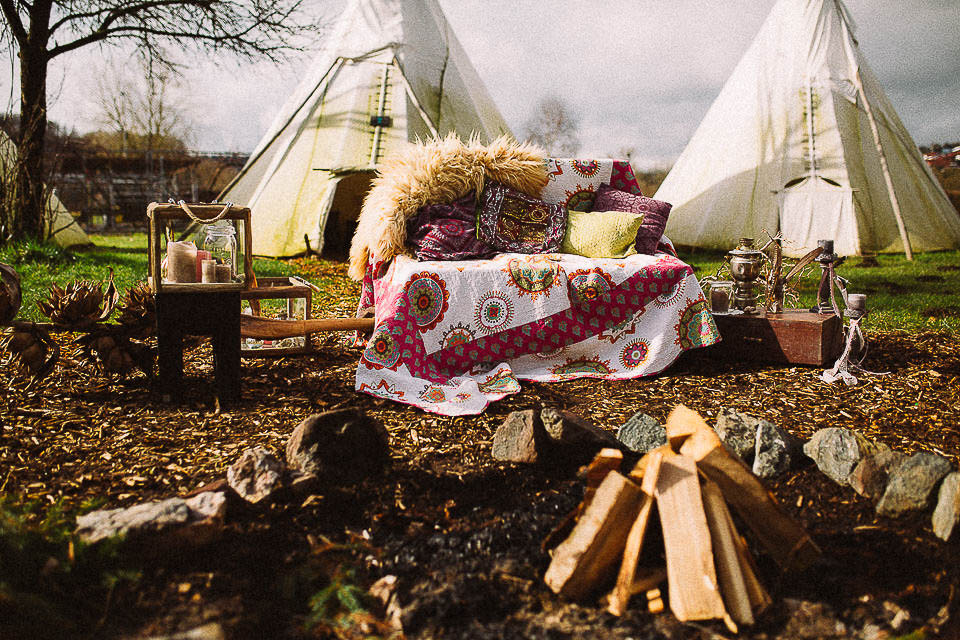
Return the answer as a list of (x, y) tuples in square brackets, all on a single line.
[(436, 172)]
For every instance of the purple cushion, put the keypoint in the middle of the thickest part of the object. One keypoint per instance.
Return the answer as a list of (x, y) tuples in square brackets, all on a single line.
[(514, 222), (655, 214), (449, 232)]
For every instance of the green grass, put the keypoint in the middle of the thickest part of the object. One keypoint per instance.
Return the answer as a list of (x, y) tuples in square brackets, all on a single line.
[(920, 295), (41, 265)]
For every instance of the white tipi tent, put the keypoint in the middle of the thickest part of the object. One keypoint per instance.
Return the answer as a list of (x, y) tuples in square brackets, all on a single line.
[(61, 225), (393, 71), (802, 140)]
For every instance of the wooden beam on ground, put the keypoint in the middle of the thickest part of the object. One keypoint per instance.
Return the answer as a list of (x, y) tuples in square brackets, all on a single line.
[(691, 576), (269, 328), (620, 596), (733, 586), (782, 536), (587, 559)]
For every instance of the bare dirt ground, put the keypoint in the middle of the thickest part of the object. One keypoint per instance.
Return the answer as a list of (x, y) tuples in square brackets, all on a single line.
[(462, 532)]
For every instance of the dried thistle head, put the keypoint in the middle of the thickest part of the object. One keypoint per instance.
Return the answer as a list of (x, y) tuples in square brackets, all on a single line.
[(114, 353), (10, 294)]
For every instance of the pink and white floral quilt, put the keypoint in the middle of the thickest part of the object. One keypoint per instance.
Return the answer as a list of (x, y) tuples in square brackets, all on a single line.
[(453, 336)]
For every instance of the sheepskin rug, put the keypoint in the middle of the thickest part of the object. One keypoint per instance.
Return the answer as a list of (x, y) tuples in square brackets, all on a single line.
[(432, 172)]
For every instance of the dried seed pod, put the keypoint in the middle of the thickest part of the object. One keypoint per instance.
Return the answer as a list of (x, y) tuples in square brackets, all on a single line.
[(34, 350), (138, 311), (10, 293), (79, 304)]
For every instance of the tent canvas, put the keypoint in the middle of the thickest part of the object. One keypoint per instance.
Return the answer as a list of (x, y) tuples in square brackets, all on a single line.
[(802, 141), (61, 225), (392, 72)]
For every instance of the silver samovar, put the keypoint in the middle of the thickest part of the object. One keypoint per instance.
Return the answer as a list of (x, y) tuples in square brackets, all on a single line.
[(745, 263)]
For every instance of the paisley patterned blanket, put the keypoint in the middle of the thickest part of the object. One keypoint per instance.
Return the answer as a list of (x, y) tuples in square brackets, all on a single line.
[(452, 336)]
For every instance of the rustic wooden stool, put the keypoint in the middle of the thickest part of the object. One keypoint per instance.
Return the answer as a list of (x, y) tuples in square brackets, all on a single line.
[(215, 314)]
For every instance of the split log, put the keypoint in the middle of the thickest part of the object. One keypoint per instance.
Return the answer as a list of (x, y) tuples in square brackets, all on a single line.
[(620, 596), (726, 558), (586, 560), (782, 536), (691, 576), (604, 462)]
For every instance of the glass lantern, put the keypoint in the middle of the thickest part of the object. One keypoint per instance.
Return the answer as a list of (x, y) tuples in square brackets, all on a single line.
[(221, 242)]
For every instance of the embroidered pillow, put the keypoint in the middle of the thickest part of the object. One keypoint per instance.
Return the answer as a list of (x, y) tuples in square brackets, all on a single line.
[(449, 232), (601, 234), (655, 214), (514, 222)]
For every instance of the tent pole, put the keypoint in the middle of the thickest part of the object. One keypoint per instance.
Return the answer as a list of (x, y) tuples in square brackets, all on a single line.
[(415, 101), (894, 202)]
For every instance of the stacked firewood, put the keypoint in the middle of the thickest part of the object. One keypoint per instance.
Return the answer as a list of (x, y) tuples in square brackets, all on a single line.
[(709, 570)]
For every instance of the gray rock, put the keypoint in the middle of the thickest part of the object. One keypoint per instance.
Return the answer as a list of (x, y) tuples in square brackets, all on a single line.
[(836, 451), (342, 445), (642, 433), (776, 450), (738, 431), (256, 475), (520, 438), (566, 429), (947, 512), (809, 620), (869, 477), (194, 521), (912, 482)]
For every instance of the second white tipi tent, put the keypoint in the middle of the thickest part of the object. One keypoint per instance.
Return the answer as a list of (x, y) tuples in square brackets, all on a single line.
[(393, 72), (802, 141)]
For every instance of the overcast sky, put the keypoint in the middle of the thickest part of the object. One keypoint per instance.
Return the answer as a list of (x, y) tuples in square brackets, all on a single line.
[(639, 75)]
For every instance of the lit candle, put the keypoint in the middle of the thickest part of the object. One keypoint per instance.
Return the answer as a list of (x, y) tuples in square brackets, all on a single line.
[(224, 273)]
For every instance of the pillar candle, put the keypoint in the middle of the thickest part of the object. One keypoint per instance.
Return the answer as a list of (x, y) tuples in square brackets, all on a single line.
[(201, 256), (209, 271), (223, 273), (181, 262)]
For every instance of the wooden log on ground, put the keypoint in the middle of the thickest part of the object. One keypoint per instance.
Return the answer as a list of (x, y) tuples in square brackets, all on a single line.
[(587, 558), (620, 596), (269, 328), (691, 577), (604, 462), (782, 536)]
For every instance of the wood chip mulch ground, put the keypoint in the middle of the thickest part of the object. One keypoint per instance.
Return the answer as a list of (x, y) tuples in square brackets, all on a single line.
[(460, 530)]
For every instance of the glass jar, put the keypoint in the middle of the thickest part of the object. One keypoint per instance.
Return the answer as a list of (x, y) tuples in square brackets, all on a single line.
[(221, 242), (721, 293)]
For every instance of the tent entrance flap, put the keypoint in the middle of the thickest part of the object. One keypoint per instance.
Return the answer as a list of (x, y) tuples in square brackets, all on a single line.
[(815, 208), (342, 209)]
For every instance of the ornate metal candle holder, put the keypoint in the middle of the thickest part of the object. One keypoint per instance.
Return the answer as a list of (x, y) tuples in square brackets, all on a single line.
[(745, 263), (829, 261)]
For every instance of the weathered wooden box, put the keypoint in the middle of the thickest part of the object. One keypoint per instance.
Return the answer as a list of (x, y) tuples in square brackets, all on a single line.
[(794, 336)]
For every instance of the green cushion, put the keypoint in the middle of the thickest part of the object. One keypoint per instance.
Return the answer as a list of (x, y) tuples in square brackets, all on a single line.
[(601, 234)]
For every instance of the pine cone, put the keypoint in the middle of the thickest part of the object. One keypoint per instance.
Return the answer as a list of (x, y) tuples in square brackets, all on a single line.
[(31, 350), (78, 305), (138, 311)]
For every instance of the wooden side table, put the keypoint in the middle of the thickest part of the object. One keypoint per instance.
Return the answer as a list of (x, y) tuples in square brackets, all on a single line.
[(215, 314), (794, 336)]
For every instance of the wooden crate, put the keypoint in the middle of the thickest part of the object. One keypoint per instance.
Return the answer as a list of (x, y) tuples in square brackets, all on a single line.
[(160, 214), (794, 336), (282, 288)]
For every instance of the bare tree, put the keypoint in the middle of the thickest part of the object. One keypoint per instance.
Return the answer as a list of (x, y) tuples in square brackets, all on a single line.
[(40, 30), (554, 127), (139, 113)]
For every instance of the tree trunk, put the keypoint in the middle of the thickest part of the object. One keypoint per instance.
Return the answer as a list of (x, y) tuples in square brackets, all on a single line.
[(30, 198)]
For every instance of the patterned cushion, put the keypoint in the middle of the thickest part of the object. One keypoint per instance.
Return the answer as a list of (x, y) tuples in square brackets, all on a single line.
[(513, 222), (601, 234), (655, 214), (449, 232)]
